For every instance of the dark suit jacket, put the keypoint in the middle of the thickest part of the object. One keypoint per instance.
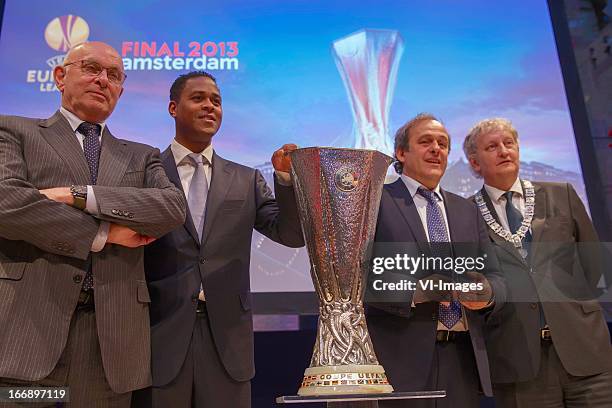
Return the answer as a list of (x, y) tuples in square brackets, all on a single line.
[(45, 248), (555, 269), (238, 201), (404, 337)]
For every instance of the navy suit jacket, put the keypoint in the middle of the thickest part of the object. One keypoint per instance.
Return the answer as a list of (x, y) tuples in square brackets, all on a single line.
[(238, 201), (404, 337)]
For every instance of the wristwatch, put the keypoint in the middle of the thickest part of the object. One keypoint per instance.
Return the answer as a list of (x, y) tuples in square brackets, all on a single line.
[(79, 193)]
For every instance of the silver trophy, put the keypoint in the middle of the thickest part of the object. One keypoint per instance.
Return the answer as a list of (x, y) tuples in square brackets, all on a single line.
[(368, 61), (338, 193)]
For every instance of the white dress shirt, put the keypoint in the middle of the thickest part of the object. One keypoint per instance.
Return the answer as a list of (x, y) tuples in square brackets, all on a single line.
[(91, 205), (499, 201), (185, 166), (420, 203)]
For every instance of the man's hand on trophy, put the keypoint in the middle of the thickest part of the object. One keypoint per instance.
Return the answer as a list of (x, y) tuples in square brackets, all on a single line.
[(475, 299), (281, 159), (429, 289)]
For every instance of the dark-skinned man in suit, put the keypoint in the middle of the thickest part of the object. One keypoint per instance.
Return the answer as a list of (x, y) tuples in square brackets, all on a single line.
[(198, 275)]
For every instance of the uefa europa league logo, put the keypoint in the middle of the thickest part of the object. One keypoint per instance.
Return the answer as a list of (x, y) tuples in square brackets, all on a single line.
[(63, 33)]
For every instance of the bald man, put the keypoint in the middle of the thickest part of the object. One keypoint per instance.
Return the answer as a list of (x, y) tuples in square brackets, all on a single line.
[(76, 207)]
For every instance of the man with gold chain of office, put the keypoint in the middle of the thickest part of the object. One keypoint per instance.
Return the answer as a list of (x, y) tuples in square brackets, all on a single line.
[(549, 345)]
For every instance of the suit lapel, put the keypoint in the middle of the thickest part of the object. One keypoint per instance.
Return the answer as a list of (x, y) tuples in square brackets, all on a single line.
[(405, 204), (114, 160), (57, 132), (539, 217), (172, 173), (222, 177), (507, 246), (455, 220)]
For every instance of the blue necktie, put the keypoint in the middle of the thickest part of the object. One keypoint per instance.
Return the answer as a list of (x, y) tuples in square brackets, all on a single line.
[(198, 192), (515, 218), (436, 228), (91, 148)]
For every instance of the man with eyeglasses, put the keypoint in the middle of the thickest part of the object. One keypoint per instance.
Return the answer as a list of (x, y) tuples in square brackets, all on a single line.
[(77, 205)]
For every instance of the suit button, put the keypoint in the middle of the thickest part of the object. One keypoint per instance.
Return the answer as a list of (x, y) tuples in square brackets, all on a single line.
[(77, 278), (202, 260), (434, 317), (533, 306), (130, 215), (114, 211)]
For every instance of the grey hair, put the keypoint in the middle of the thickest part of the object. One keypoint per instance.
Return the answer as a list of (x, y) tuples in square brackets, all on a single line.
[(402, 137), (484, 127)]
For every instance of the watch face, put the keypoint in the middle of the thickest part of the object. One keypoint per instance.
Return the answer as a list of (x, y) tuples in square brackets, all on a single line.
[(79, 191)]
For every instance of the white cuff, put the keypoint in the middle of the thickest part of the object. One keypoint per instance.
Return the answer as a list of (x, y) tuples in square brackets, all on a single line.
[(91, 206), (100, 240)]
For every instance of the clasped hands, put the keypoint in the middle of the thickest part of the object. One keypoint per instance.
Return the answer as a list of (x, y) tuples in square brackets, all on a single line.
[(473, 299)]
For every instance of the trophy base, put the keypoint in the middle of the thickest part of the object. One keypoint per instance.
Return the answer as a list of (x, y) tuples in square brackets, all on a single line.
[(345, 379)]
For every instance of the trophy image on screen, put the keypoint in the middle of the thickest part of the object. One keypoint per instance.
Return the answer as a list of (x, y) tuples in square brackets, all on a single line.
[(368, 61), (338, 193)]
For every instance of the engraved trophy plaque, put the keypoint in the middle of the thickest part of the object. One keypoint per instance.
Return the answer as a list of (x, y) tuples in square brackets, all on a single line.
[(338, 193)]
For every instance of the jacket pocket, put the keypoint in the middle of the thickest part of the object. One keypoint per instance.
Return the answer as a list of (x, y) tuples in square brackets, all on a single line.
[(12, 270), (590, 306), (232, 205)]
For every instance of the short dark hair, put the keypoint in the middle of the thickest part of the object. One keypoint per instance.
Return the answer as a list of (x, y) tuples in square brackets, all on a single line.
[(179, 83), (402, 137)]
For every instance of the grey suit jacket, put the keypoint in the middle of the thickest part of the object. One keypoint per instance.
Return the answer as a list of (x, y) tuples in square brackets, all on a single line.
[(559, 276), (45, 248)]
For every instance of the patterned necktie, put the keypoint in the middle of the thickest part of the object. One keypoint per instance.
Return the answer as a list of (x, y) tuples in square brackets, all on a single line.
[(436, 228), (198, 192), (515, 218), (91, 148)]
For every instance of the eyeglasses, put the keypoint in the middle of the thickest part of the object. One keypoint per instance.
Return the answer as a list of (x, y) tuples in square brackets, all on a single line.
[(92, 68)]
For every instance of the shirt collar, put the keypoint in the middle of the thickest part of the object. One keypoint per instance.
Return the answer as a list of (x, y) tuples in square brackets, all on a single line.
[(414, 185), (495, 193), (74, 121), (180, 152)]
